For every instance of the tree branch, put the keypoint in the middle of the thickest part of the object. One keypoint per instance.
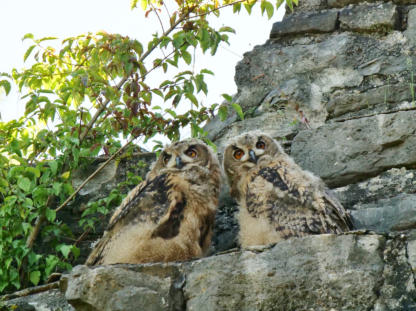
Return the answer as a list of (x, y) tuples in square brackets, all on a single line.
[(121, 83), (93, 175)]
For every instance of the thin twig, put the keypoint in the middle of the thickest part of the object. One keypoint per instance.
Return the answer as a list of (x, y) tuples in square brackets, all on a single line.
[(41, 218), (94, 174), (30, 291), (121, 83), (217, 9), (158, 17)]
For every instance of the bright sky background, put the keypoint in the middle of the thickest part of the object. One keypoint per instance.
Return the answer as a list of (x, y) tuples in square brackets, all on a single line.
[(69, 18)]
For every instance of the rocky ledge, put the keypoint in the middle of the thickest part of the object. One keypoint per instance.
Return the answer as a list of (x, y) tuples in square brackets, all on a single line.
[(357, 271)]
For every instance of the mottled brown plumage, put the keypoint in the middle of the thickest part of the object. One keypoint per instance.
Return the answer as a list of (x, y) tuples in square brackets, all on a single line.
[(170, 215), (277, 198)]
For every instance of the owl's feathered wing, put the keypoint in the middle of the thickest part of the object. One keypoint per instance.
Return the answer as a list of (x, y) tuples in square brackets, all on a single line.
[(288, 200), (147, 205)]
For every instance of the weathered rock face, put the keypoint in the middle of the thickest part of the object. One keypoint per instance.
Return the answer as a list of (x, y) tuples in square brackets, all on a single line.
[(325, 272), (335, 84), (52, 300)]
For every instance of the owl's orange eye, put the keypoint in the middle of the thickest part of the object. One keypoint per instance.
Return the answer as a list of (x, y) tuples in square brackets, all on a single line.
[(238, 154), (166, 158), (191, 152), (260, 145)]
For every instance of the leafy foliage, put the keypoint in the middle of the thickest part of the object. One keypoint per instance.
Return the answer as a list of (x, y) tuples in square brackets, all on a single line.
[(86, 96)]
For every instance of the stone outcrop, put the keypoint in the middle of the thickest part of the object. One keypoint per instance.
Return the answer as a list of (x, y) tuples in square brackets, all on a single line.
[(326, 272), (335, 84)]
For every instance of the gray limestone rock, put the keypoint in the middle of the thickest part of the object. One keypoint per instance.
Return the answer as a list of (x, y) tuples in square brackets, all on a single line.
[(342, 3), (312, 273), (387, 215), (398, 289), (410, 32), (382, 97), (307, 6), (124, 287), (52, 300), (299, 23), (379, 17), (411, 250), (114, 173), (322, 272), (387, 185), (350, 151)]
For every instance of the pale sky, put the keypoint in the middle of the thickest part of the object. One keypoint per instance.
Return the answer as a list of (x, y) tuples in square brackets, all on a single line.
[(69, 18)]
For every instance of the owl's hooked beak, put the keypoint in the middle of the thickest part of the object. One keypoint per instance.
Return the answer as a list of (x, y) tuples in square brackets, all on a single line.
[(179, 163), (253, 157)]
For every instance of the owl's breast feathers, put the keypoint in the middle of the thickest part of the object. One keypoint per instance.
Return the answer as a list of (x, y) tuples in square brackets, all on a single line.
[(293, 201)]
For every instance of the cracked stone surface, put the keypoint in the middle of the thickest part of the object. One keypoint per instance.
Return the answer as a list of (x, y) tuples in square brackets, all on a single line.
[(305, 23), (347, 152), (369, 17), (124, 287), (345, 272)]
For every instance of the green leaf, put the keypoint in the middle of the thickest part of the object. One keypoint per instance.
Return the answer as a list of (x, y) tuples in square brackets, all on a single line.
[(171, 112), (76, 251), (165, 67), (34, 277), (64, 249), (158, 92), (54, 166), (14, 277), (47, 39), (50, 214), (290, 4), (227, 97), (6, 86), (24, 184), (35, 172), (133, 4), (178, 39), (3, 183), (27, 36), (33, 258), (239, 111), (237, 7), (223, 112), (51, 262), (205, 39), (249, 7), (226, 29), (57, 187), (192, 98), (206, 71), (187, 57), (40, 196), (268, 7)]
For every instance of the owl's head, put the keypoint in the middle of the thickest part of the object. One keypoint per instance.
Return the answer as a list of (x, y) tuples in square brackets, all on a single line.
[(185, 155), (245, 152)]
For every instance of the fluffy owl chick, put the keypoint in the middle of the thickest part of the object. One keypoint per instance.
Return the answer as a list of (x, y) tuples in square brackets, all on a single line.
[(170, 215), (277, 198)]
